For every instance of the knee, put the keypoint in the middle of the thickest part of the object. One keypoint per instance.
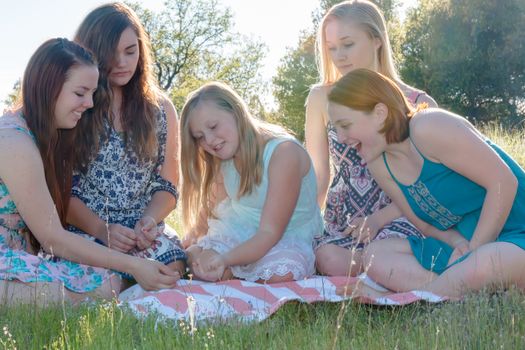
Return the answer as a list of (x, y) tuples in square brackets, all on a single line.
[(483, 270), (332, 260), (372, 256), (326, 262), (371, 252)]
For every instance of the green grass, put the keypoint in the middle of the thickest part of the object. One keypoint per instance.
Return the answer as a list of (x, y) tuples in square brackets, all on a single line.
[(481, 321)]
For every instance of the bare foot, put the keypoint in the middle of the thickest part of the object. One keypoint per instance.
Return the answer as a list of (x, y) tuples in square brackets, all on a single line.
[(360, 292)]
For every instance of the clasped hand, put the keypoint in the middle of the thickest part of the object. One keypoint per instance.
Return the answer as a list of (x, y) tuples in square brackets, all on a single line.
[(212, 268), (146, 232), (123, 239)]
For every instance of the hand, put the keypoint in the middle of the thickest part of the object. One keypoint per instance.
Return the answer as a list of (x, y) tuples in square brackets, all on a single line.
[(461, 247), (363, 229), (153, 275), (118, 237), (146, 232), (212, 268)]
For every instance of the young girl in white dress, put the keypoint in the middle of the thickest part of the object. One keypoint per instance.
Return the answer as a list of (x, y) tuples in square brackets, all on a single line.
[(249, 193)]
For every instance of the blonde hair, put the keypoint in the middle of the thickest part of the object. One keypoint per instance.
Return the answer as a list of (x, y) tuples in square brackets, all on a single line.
[(363, 89), (368, 16), (199, 168)]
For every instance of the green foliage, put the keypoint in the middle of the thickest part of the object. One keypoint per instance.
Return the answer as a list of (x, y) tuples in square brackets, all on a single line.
[(296, 74), (15, 96), (469, 56), (193, 42)]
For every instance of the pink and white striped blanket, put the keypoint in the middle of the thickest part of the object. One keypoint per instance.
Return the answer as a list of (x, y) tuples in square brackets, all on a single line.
[(194, 301)]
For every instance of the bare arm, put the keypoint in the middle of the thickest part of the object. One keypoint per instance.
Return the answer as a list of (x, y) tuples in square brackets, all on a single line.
[(317, 141), (453, 141), (162, 203), (25, 180)]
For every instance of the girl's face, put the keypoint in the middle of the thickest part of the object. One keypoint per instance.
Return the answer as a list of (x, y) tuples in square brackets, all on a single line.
[(126, 58), (215, 130), (359, 129), (350, 47), (76, 95)]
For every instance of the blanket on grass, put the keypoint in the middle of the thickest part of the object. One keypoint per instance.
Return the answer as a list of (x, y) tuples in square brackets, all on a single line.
[(195, 301)]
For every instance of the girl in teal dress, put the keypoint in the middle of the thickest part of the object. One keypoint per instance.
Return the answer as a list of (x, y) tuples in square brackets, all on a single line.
[(462, 191), (35, 184), (255, 188)]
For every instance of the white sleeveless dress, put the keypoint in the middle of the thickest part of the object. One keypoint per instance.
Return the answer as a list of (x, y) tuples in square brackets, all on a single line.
[(238, 220)]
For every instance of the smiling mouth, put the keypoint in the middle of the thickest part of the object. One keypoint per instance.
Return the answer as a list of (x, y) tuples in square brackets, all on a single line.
[(218, 147)]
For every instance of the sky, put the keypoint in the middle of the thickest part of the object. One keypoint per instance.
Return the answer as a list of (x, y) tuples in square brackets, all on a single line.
[(26, 24)]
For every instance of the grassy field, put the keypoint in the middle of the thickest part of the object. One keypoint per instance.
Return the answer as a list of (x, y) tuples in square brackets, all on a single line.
[(481, 321)]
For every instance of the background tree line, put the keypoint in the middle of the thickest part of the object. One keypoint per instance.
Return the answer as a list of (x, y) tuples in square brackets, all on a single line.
[(468, 54)]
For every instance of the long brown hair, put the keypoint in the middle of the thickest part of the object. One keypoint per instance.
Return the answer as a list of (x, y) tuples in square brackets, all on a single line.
[(100, 32), (47, 71), (362, 89), (200, 168)]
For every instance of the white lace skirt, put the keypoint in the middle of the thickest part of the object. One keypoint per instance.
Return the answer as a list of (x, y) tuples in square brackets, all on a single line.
[(289, 255)]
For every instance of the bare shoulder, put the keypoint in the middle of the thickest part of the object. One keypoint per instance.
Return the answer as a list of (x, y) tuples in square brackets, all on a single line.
[(319, 91), (434, 119), (18, 150), (434, 126), (421, 96), (318, 95), (291, 155), (168, 107), (316, 106), (12, 141)]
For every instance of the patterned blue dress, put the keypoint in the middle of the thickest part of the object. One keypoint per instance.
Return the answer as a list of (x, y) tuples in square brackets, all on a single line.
[(118, 187), (354, 193), (16, 263), (446, 199)]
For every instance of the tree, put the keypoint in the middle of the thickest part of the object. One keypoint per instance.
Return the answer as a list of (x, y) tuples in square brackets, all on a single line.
[(193, 42), (14, 96), (298, 70), (296, 74), (469, 56)]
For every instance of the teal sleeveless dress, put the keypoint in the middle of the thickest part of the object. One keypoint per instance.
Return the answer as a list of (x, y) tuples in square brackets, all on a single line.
[(446, 199)]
